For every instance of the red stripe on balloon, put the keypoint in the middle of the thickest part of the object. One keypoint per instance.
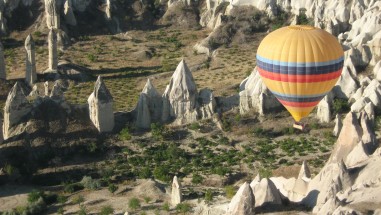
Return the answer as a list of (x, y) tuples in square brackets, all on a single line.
[(299, 78), (299, 104)]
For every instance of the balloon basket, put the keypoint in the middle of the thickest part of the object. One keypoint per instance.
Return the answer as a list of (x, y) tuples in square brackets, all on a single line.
[(299, 126)]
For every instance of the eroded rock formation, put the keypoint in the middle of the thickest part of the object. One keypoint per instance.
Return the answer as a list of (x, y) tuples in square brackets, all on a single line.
[(243, 201), (52, 47), (15, 109), (101, 107), (30, 74), (176, 196), (52, 14)]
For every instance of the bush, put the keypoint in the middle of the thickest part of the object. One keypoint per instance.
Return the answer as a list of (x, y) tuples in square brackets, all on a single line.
[(147, 199), (36, 208), (124, 134), (194, 126), (107, 210), (158, 131), (340, 106), (265, 173), (208, 195), (89, 183), (82, 210), (165, 206), (112, 188), (134, 204), (229, 191), (197, 179), (35, 195), (71, 188), (183, 208), (302, 18), (79, 199), (162, 173)]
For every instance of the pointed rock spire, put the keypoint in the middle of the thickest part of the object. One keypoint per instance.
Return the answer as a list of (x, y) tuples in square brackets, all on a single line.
[(266, 193), (357, 155), (52, 44), (324, 109), (338, 125), (180, 96), (149, 107), (243, 201), (255, 181), (150, 90), (349, 136), (304, 172), (176, 196), (101, 107), (52, 14), (16, 107), (3, 74), (30, 74), (57, 92), (69, 14)]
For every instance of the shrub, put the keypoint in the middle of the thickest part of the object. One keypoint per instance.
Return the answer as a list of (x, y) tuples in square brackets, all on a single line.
[(208, 195), (37, 207), (265, 173), (91, 57), (197, 179), (124, 134), (112, 188), (229, 191), (79, 199), (35, 195), (340, 106), (82, 210), (89, 183), (107, 210), (162, 173), (73, 187), (62, 199), (147, 199), (158, 131), (302, 18), (183, 208), (194, 126), (134, 204), (165, 206)]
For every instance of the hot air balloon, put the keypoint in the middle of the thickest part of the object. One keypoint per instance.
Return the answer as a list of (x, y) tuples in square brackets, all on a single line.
[(300, 64)]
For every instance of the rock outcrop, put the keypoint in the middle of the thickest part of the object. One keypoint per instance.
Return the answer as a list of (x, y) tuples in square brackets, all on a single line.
[(176, 195), (16, 109), (304, 172), (324, 109), (101, 107), (243, 201), (53, 56), (254, 95), (52, 14), (338, 125), (149, 107), (180, 96), (266, 193), (30, 74), (3, 74), (69, 13), (57, 93)]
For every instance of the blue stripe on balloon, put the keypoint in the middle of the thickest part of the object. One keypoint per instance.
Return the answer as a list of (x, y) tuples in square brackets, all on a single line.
[(295, 64), (292, 70), (300, 96)]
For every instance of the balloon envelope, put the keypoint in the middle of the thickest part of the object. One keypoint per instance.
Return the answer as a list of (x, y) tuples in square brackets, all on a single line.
[(300, 65)]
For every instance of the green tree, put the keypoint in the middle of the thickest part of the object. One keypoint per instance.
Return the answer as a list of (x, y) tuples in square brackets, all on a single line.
[(208, 196), (112, 188)]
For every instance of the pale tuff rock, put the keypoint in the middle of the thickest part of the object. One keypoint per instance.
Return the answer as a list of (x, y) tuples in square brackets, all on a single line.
[(69, 14), (203, 47), (357, 95), (324, 110), (52, 44), (176, 196), (1, 129), (101, 107), (149, 106), (338, 125), (15, 109), (108, 9), (266, 193), (350, 135), (369, 110), (207, 104), (255, 181), (3, 74), (357, 155), (52, 14), (243, 201), (179, 98), (373, 92), (34, 93), (368, 137), (294, 189), (346, 85), (304, 172), (30, 74), (255, 95), (377, 71), (359, 105), (46, 88), (57, 92)]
